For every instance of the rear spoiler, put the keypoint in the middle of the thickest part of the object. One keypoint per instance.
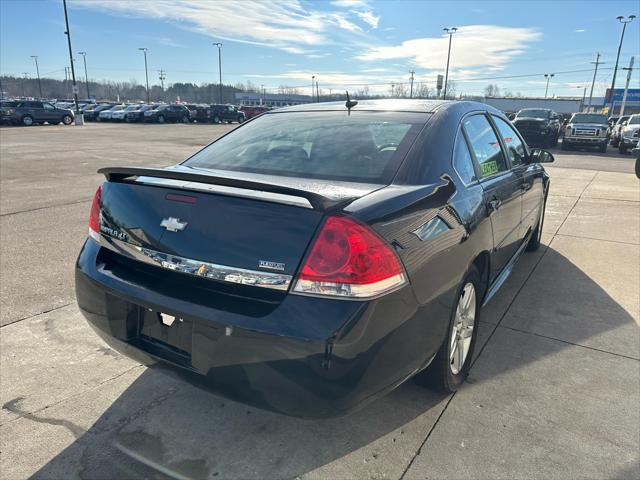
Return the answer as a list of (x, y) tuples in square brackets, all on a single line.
[(317, 201)]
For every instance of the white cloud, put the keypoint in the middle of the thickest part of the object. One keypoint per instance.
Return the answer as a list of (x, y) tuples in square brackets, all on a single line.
[(351, 3), (369, 18), (579, 30), (487, 46), (285, 24)]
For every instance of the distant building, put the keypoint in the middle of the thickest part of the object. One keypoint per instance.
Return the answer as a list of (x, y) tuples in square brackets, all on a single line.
[(271, 99)]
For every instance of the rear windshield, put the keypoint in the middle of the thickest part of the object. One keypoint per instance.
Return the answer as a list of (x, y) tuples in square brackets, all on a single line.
[(361, 147), (588, 118)]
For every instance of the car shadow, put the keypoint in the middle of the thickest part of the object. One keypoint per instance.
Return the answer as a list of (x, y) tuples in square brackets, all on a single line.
[(162, 427)]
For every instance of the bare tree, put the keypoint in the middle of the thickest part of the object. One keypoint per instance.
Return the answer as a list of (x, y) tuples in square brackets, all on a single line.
[(452, 89), (400, 91), (492, 90), (422, 90)]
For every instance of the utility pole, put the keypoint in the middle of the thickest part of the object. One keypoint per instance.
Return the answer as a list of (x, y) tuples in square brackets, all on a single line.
[(624, 22), (219, 45), (450, 31), (162, 75), (24, 80), (548, 76), (593, 82), (313, 82), (86, 76), (411, 90), (73, 70), (317, 93), (35, 57), (629, 70), (146, 70), (393, 87)]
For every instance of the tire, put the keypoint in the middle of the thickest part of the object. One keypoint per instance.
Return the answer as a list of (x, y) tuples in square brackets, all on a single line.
[(161, 119), (240, 119), (27, 120), (216, 119), (443, 373), (67, 120), (185, 119), (622, 148), (536, 236)]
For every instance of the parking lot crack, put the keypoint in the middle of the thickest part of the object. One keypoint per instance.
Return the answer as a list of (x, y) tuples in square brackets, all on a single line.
[(11, 405)]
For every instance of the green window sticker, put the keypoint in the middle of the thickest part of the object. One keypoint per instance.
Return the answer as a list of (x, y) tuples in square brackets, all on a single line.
[(489, 168)]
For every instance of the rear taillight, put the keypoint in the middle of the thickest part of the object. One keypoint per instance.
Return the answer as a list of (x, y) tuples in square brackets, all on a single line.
[(94, 215), (349, 260)]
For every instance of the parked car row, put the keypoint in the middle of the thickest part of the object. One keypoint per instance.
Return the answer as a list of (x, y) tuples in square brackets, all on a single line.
[(166, 113)]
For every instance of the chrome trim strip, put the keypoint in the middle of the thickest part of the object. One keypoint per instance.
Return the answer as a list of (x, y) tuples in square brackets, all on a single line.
[(222, 273), (224, 190)]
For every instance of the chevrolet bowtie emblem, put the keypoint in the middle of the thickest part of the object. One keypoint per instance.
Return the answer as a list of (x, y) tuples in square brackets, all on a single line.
[(173, 224)]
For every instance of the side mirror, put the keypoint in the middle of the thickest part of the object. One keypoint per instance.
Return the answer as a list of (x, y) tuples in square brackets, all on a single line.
[(539, 155), (624, 124)]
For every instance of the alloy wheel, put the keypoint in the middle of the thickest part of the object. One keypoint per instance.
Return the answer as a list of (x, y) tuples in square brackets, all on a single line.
[(462, 330)]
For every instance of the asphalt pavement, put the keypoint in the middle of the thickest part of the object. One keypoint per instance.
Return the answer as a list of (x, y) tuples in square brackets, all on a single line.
[(553, 393)]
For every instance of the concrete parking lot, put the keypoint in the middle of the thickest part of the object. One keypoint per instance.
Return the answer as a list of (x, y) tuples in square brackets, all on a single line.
[(553, 393)]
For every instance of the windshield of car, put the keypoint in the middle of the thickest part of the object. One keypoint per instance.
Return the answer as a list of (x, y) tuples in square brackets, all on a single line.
[(533, 113), (588, 118), (161, 107), (634, 120), (117, 107), (360, 147), (130, 108), (622, 120)]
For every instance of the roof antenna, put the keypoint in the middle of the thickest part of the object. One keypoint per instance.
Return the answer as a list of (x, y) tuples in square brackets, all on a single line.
[(350, 103)]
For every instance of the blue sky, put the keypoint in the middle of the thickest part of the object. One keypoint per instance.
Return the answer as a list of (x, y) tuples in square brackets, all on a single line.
[(345, 43)]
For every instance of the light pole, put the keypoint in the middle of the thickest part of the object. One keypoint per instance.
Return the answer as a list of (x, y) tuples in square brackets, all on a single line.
[(86, 76), (35, 57), (146, 71), (624, 22), (313, 84), (450, 31), (73, 70), (219, 45), (261, 95), (548, 76)]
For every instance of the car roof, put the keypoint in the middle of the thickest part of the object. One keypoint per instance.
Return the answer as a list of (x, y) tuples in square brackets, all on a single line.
[(389, 104)]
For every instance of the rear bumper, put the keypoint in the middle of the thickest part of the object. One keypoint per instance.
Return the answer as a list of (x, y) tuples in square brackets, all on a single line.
[(287, 357)]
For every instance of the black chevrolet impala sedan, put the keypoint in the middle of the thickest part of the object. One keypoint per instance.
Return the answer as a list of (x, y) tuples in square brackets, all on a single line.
[(317, 256)]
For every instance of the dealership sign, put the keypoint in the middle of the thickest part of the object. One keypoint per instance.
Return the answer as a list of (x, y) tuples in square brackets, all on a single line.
[(633, 94)]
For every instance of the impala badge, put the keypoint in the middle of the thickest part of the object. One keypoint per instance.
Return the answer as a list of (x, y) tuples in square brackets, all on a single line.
[(271, 265), (173, 224)]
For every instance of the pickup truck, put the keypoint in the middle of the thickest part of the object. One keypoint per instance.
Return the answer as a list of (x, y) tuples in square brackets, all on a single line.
[(586, 130)]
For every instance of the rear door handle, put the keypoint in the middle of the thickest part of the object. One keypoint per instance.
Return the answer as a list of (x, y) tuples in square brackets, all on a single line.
[(494, 204), (525, 186)]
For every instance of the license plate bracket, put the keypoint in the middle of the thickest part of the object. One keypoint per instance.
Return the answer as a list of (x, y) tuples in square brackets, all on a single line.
[(169, 336)]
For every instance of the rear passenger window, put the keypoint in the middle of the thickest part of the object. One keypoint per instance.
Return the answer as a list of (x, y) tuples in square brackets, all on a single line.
[(462, 161), (485, 145), (515, 146)]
